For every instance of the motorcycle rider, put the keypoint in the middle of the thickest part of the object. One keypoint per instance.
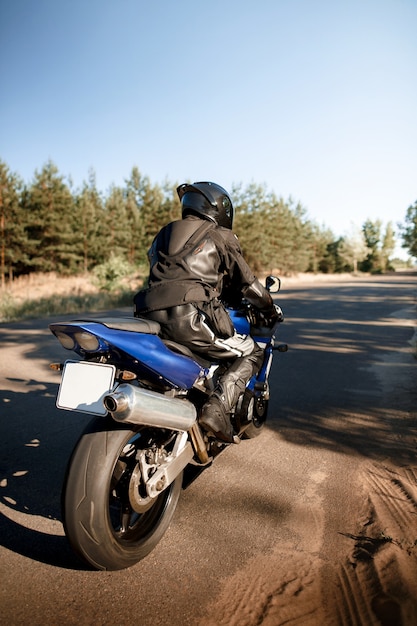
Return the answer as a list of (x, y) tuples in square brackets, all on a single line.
[(193, 263)]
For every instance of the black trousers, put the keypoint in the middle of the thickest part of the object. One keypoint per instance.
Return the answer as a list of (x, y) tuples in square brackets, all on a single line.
[(190, 326)]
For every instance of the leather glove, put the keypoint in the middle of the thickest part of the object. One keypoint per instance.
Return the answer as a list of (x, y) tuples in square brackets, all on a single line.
[(273, 316)]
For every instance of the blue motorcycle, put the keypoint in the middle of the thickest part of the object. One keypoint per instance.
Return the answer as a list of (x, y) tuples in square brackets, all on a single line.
[(126, 472)]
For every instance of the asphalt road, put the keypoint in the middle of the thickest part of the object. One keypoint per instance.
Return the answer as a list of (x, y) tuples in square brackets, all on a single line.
[(349, 356)]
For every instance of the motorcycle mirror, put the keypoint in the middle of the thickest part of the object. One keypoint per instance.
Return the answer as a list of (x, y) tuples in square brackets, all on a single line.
[(273, 284)]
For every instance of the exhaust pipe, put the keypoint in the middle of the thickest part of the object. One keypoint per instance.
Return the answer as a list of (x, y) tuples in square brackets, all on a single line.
[(135, 405)]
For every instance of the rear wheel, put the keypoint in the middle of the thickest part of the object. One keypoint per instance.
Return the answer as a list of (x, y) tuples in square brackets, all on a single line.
[(109, 519)]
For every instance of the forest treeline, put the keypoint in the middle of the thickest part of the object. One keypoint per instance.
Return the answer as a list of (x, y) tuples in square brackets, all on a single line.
[(46, 226)]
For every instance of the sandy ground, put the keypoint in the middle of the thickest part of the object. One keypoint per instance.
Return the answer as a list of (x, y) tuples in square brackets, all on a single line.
[(374, 582)]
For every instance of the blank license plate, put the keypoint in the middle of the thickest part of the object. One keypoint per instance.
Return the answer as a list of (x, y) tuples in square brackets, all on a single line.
[(84, 385)]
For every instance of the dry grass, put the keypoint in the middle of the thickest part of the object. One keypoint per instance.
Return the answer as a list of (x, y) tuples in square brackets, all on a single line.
[(39, 295), (42, 295)]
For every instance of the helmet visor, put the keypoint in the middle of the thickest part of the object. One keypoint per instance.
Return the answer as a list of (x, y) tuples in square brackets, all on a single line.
[(226, 214)]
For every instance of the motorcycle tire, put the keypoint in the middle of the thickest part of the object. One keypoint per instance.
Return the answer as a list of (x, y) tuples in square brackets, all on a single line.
[(259, 415), (101, 524)]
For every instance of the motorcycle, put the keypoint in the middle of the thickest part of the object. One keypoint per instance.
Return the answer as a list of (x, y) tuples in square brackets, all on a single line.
[(126, 472)]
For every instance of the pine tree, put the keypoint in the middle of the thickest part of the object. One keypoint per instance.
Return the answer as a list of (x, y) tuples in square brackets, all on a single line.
[(149, 211), (320, 239), (49, 207), (372, 233), (409, 230), (137, 215), (171, 205), (252, 223), (89, 213), (116, 231), (388, 246), (12, 231), (153, 214), (274, 234)]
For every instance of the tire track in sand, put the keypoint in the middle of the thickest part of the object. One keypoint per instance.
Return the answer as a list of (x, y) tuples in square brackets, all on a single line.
[(377, 583), (282, 586)]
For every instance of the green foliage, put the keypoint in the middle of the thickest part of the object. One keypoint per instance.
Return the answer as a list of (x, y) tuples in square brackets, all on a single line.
[(115, 223), (333, 260), (372, 233), (7, 308), (381, 246), (89, 217), (409, 230), (274, 234), (110, 274), (49, 208), (13, 240), (47, 226), (388, 247)]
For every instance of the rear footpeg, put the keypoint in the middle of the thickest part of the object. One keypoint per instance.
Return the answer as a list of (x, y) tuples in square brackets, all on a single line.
[(282, 347)]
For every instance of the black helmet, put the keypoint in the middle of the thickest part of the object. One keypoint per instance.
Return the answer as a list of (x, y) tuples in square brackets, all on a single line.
[(206, 200)]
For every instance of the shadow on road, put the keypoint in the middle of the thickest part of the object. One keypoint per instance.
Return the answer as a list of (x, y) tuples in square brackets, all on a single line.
[(39, 546), (337, 388), (35, 444), (349, 380)]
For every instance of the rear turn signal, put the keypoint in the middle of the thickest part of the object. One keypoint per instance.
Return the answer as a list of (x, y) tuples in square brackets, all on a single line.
[(126, 375)]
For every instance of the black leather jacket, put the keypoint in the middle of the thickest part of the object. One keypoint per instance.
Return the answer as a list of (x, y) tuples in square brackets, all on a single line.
[(191, 261)]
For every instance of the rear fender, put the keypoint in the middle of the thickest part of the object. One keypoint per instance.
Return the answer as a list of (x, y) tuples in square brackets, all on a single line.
[(136, 350)]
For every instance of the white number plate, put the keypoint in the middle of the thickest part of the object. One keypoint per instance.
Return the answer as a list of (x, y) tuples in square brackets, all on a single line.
[(84, 385)]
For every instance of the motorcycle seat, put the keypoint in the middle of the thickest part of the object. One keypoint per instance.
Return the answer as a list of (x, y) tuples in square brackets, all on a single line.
[(132, 324)]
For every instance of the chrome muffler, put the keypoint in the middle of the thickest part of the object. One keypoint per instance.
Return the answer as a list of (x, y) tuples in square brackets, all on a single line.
[(136, 405)]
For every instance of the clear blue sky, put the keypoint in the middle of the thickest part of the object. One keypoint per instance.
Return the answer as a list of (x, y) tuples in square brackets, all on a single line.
[(315, 98)]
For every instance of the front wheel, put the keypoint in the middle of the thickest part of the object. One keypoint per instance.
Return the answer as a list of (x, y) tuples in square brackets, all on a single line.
[(109, 519), (259, 410)]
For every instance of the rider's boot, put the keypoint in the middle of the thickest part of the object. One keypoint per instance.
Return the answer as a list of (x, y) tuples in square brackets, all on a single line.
[(215, 416), (215, 420)]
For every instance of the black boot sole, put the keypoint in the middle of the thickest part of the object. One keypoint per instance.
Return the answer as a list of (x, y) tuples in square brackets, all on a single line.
[(218, 434)]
